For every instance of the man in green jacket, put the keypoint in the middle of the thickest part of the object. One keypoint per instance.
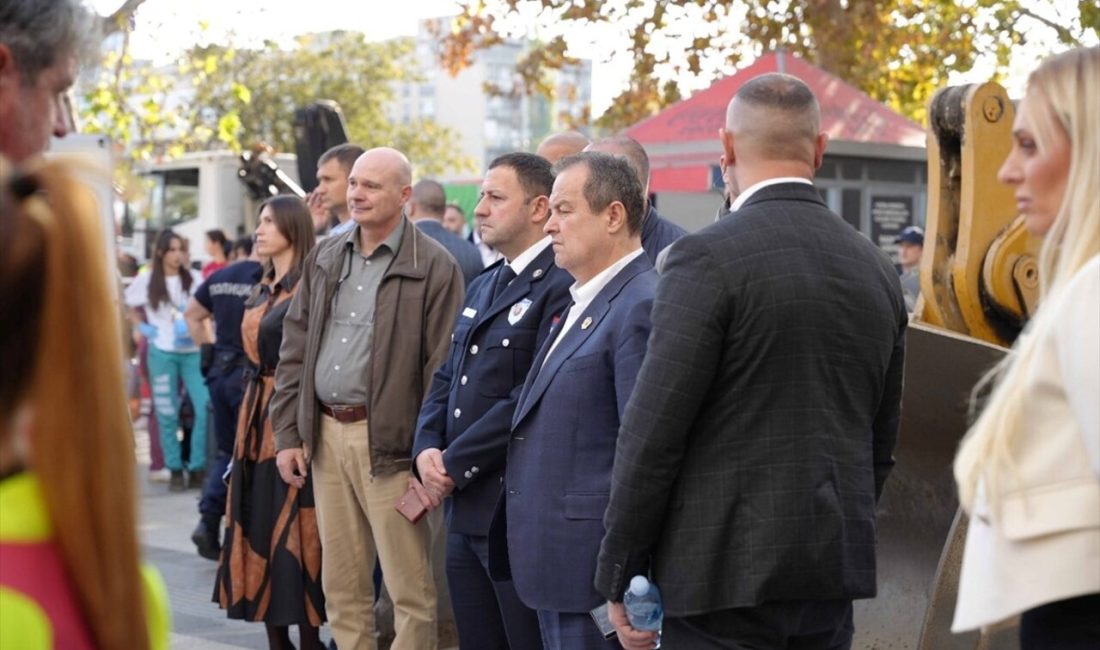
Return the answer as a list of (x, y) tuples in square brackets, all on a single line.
[(368, 327)]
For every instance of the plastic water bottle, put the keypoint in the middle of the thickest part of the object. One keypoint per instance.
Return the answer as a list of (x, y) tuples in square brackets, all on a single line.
[(643, 606)]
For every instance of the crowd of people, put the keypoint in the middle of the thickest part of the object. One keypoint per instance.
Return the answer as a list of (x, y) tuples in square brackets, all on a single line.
[(559, 422)]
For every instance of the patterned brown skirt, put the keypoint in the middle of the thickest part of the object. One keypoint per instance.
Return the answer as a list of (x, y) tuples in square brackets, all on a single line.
[(270, 568)]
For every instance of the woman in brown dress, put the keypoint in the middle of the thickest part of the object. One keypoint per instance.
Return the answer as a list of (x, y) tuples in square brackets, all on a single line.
[(270, 567)]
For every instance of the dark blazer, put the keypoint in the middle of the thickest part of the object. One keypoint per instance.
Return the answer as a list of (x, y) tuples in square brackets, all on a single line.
[(465, 253), (558, 472), (468, 412), (763, 423), (658, 234)]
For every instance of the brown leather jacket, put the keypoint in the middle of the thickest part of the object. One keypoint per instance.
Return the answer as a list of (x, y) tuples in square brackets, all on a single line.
[(417, 302)]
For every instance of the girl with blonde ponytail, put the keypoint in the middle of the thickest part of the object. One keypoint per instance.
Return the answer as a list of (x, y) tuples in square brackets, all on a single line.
[(70, 575), (1028, 471)]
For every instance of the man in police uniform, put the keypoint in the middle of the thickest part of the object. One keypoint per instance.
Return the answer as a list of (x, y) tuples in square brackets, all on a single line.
[(463, 430)]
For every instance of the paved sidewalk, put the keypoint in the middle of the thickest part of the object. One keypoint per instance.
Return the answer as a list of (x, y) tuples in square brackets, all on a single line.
[(166, 521)]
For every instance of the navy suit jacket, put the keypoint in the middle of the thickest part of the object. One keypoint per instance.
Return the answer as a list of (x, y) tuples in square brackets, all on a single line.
[(558, 473), (658, 234), (465, 253), (468, 411)]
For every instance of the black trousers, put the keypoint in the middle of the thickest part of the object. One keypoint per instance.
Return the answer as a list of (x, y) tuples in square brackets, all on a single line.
[(1072, 624), (778, 625)]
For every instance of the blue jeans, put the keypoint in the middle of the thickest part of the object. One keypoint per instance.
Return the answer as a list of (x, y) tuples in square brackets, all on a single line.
[(165, 371)]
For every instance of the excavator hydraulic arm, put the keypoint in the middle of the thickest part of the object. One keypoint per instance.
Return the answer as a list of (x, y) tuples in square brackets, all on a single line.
[(979, 284)]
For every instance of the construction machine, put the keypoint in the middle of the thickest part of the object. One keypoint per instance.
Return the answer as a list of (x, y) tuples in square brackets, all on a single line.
[(979, 285)]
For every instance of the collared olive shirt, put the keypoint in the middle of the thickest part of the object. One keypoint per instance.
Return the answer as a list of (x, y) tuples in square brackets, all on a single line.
[(341, 375)]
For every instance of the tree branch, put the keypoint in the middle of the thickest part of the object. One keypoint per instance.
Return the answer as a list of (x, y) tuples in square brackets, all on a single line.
[(1063, 32), (115, 22)]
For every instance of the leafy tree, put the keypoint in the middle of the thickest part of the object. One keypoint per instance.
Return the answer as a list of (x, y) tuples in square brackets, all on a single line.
[(897, 51), (221, 97), (264, 86)]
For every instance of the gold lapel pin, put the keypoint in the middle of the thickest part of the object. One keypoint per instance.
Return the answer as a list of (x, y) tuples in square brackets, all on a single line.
[(587, 322)]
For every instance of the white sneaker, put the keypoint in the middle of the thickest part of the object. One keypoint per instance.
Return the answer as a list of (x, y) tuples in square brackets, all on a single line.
[(159, 476)]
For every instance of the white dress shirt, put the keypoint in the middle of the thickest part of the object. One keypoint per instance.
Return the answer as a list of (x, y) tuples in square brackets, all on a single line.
[(524, 259), (584, 294), (753, 189)]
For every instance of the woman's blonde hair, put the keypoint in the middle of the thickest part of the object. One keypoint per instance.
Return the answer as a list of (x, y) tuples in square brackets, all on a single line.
[(1063, 97), (81, 446)]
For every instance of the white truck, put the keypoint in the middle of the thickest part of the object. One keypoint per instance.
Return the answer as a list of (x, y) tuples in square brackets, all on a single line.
[(198, 192)]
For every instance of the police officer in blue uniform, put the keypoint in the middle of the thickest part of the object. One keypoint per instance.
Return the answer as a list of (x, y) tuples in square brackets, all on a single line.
[(221, 298), (463, 431)]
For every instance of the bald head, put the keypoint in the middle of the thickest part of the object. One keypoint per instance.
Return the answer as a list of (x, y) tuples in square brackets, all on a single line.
[(391, 161), (631, 150), (774, 117), (378, 188), (429, 199), (559, 145)]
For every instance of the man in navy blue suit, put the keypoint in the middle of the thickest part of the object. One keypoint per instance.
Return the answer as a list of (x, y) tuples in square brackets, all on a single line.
[(558, 469), (464, 426)]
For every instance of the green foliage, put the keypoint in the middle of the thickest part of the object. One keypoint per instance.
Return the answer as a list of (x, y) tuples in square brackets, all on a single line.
[(132, 103), (219, 97), (897, 51), (255, 93)]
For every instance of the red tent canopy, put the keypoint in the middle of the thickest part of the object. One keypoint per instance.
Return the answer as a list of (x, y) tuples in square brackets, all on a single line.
[(847, 114)]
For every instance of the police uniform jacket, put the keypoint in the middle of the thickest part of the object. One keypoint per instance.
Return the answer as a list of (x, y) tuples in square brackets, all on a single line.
[(468, 411)]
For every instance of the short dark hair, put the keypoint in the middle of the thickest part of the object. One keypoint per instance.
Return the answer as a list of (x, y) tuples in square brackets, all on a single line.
[(776, 90), (38, 32), (610, 179), (345, 153), (244, 244), (430, 196), (217, 235), (535, 174), (456, 206)]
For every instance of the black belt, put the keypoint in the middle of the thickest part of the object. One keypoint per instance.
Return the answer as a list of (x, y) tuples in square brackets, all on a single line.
[(345, 414)]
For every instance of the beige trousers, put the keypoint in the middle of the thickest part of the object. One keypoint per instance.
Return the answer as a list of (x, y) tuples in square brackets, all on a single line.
[(357, 521)]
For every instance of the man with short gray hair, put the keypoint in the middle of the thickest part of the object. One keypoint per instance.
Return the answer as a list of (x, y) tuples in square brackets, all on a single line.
[(558, 468), (658, 233), (42, 43)]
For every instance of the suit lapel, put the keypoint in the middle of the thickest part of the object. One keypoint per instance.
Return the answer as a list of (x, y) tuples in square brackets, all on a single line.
[(541, 375)]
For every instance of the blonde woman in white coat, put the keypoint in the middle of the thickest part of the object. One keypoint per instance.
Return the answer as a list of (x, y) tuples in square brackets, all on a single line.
[(1028, 471)]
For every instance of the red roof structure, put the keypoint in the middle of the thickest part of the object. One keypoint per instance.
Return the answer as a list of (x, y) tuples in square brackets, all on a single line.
[(847, 115)]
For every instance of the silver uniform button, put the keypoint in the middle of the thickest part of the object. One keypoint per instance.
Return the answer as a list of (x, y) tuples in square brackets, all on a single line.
[(537, 273), (463, 380), (458, 413), (505, 342), (474, 469), (473, 349), (468, 474)]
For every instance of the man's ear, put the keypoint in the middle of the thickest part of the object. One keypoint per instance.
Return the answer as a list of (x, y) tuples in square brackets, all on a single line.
[(727, 146), (820, 143), (616, 217), (539, 209)]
